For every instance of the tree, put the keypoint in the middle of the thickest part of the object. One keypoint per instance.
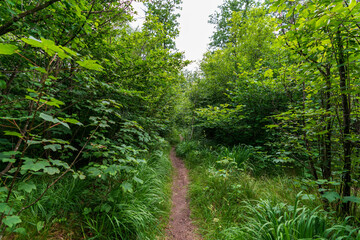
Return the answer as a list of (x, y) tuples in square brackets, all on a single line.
[(317, 33), (166, 13), (222, 20), (82, 94)]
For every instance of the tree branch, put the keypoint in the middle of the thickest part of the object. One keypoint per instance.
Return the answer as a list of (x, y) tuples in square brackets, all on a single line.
[(7, 26)]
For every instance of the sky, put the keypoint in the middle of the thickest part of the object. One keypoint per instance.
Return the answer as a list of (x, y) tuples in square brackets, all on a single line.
[(195, 31)]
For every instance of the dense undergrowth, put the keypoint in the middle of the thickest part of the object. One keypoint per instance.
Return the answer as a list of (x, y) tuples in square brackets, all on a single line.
[(101, 208), (230, 201)]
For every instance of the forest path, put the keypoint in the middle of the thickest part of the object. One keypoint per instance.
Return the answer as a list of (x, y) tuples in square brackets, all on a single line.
[(180, 225)]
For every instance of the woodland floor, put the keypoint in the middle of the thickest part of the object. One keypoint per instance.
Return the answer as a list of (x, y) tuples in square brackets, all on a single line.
[(180, 225)]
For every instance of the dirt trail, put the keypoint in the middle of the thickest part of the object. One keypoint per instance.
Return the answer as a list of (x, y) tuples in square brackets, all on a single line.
[(180, 225)]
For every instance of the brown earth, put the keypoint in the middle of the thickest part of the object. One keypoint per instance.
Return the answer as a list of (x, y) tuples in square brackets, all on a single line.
[(180, 225)]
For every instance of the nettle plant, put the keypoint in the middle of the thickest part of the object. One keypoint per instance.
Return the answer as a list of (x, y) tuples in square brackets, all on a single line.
[(32, 125)]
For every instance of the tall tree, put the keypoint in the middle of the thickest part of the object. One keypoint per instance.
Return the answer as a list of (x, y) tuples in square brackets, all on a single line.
[(166, 12), (222, 20)]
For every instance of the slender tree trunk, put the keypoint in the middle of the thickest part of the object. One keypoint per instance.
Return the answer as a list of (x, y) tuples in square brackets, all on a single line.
[(327, 159), (307, 144), (345, 97)]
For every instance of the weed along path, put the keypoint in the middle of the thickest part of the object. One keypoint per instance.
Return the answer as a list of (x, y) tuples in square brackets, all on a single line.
[(180, 225)]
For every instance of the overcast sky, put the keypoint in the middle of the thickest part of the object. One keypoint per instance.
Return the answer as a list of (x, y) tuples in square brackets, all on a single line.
[(195, 31)]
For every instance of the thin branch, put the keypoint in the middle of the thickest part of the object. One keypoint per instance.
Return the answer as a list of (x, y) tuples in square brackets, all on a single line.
[(7, 26)]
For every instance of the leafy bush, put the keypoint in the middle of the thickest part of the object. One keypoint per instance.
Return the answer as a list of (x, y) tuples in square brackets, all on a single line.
[(127, 213), (186, 147), (102, 207)]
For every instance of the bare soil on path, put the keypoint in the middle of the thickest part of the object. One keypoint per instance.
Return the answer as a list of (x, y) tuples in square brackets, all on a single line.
[(180, 225)]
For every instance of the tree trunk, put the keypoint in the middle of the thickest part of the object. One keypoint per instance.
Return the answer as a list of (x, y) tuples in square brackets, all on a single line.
[(344, 86)]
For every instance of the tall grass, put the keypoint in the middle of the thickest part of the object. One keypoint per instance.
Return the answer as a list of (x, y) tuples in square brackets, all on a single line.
[(136, 215), (86, 209), (269, 221), (228, 202)]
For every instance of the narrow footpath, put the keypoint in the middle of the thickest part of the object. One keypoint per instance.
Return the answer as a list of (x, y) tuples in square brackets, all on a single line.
[(180, 225)]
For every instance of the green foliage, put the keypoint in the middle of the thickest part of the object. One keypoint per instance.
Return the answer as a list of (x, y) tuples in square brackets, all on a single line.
[(166, 14), (282, 78), (124, 214), (99, 207), (222, 20), (281, 221), (82, 95), (228, 203)]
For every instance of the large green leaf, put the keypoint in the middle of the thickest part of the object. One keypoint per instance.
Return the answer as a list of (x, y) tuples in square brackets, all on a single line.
[(331, 196), (90, 64), (52, 119), (127, 187), (40, 225), (351, 199), (21, 231), (30, 164), (12, 133), (11, 221), (7, 49), (5, 208), (48, 118), (27, 187), (51, 170), (59, 163), (53, 147)]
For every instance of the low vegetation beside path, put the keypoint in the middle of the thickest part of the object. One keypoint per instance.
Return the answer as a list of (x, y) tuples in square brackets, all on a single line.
[(232, 199)]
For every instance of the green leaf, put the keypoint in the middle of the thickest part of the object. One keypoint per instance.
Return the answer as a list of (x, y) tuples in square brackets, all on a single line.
[(40, 69), (5, 208), (90, 64), (105, 208), (30, 165), (331, 196), (7, 49), (27, 187), (138, 180), (70, 147), (55, 102), (87, 211), (11, 133), (127, 187), (272, 126), (52, 119), (32, 41), (47, 118), (308, 197), (40, 225), (8, 156), (321, 21), (59, 163), (72, 121), (33, 142), (51, 170), (68, 50), (53, 147), (11, 221), (269, 73), (352, 4), (351, 199), (21, 231), (2, 84)]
